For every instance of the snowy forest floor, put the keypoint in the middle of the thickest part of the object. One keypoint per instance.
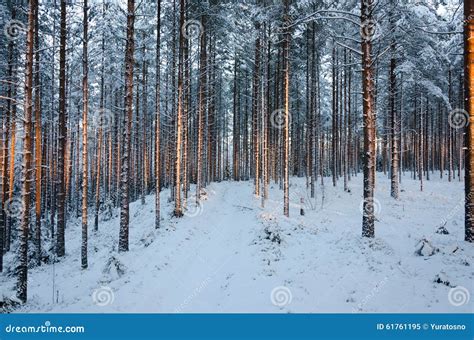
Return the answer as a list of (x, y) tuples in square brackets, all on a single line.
[(231, 255)]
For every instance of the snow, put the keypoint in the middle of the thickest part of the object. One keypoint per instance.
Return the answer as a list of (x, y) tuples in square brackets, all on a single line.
[(230, 255)]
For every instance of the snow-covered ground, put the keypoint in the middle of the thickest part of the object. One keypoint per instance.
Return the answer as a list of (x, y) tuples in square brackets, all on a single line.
[(231, 255)]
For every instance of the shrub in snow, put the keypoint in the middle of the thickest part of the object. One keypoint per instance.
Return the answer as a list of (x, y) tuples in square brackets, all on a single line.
[(272, 235), (8, 304), (442, 230), (108, 210), (425, 248), (147, 238), (443, 279), (114, 269)]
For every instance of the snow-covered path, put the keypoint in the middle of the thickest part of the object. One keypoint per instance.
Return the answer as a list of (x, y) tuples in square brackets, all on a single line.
[(229, 254)]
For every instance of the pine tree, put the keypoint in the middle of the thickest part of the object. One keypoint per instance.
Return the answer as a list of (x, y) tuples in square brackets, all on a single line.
[(38, 150), (286, 97), (127, 124), (368, 221), (469, 106), (202, 104), (158, 118), (178, 209), (61, 160), (85, 112), (394, 171), (27, 170)]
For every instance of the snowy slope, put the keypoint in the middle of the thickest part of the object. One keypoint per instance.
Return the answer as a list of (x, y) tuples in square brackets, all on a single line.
[(231, 255)]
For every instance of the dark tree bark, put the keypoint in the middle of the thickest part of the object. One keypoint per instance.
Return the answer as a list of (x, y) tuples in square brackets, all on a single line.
[(61, 188), (158, 119), (127, 122), (85, 112), (255, 110), (38, 151), (469, 107), (202, 104), (394, 171), (27, 170), (178, 209), (286, 98), (368, 220)]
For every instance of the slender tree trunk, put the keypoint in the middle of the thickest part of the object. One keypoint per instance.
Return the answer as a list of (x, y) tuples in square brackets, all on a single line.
[(178, 209), (11, 121), (469, 107), (236, 122), (27, 170), (346, 114), (5, 165), (334, 117), (128, 117), (286, 96), (368, 228), (394, 171), (202, 105), (61, 189), (255, 104), (157, 118), (38, 151), (421, 144), (100, 132), (85, 103)]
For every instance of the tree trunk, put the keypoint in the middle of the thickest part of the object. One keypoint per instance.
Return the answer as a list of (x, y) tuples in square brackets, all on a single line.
[(38, 151), (469, 107), (22, 283), (368, 220), (85, 103), (101, 122), (286, 96), (157, 119), (128, 117), (394, 171), (202, 105), (334, 117), (255, 121), (61, 189), (5, 171), (178, 209)]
